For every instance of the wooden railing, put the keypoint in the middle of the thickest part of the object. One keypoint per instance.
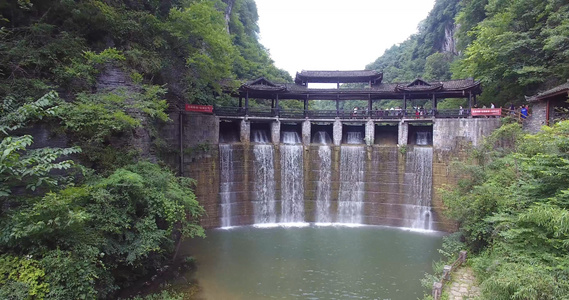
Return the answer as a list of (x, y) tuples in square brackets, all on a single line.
[(342, 114), (447, 270)]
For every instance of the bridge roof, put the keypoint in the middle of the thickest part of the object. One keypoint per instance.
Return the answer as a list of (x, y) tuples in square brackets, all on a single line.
[(417, 89), (338, 76)]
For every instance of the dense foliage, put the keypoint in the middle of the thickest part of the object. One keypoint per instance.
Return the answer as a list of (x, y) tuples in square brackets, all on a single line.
[(515, 48), (84, 209), (512, 205)]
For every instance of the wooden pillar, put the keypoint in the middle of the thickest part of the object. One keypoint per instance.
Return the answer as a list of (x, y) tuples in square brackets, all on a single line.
[(404, 104), (337, 105), (306, 106), (247, 103), (434, 104), (273, 103), (369, 104), (277, 105), (240, 101), (469, 100)]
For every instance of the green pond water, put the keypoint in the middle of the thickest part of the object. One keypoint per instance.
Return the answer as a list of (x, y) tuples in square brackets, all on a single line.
[(313, 262)]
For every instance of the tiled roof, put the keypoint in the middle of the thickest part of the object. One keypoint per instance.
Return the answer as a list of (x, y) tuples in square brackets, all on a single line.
[(453, 86), (551, 92), (335, 74)]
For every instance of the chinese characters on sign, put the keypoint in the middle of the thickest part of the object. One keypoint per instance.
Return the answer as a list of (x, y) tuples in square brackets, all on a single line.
[(486, 112), (199, 108)]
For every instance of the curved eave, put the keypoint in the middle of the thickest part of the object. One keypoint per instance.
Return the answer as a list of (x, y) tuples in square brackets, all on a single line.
[(414, 89)]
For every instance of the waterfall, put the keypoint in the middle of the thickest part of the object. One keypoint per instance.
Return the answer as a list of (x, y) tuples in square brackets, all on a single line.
[(291, 137), (292, 179), (260, 136), (264, 172), (322, 137), (355, 137), (324, 185), (226, 181), (423, 138), (420, 181), (351, 195)]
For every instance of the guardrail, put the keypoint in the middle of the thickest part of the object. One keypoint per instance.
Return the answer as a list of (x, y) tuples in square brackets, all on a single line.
[(447, 270), (343, 114)]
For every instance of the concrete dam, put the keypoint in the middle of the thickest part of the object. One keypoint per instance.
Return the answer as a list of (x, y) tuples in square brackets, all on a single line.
[(269, 171)]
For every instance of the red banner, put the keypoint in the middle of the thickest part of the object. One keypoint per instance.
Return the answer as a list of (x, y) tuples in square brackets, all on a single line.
[(199, 108), (486, 112)]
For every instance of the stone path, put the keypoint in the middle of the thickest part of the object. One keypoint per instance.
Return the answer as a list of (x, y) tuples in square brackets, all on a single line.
[(463, 285)]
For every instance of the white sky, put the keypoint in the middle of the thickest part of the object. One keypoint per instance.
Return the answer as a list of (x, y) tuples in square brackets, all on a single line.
[(335, 34)]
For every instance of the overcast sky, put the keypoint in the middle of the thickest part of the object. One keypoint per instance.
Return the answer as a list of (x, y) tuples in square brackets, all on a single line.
[(335, 34)]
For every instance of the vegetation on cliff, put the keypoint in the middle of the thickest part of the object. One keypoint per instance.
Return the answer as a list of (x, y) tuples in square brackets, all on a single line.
[(85, 207), (512, 205), (514, 48)]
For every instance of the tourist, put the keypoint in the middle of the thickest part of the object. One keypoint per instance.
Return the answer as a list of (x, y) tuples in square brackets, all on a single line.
[(492, 105), (524, 112), (460, 110), (355, 111), (512, 109)]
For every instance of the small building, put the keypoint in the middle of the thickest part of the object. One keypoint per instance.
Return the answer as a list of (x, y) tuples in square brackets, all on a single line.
[(548, 107)]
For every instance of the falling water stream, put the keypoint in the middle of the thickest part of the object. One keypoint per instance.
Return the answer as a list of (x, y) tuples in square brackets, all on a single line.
[(292, 179), (226, 181), (264, 172), (412, 209), (419, 176), (323, 184), (351, 194)]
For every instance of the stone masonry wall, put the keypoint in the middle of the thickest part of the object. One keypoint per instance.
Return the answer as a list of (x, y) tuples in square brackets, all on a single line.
[(452, 139), (537, 118), (200, 156), (385, 185)]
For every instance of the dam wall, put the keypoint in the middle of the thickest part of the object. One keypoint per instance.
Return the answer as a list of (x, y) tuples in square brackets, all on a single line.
[(266, 172)]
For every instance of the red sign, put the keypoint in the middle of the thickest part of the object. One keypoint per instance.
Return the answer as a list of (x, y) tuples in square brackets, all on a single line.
[(199, 108), (486, 112)]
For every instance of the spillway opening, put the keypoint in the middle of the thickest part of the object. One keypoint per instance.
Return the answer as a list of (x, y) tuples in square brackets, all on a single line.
[(228, 132), (261, 133), (386, 134), (321, 133), (353, 134), (421, 134), (291, 133)]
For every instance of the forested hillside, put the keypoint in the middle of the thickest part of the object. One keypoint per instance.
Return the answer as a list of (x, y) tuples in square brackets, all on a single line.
[(86, 207), (514, 48)]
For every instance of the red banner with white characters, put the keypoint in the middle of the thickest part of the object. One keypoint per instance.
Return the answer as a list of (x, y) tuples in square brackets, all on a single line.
[(486, 111), (199, 108)]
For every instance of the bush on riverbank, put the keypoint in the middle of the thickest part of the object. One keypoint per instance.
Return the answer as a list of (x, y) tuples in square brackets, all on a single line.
[(512, 205)]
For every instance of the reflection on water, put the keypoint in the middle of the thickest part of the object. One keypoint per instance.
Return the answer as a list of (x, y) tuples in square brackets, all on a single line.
[(313, 262)]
